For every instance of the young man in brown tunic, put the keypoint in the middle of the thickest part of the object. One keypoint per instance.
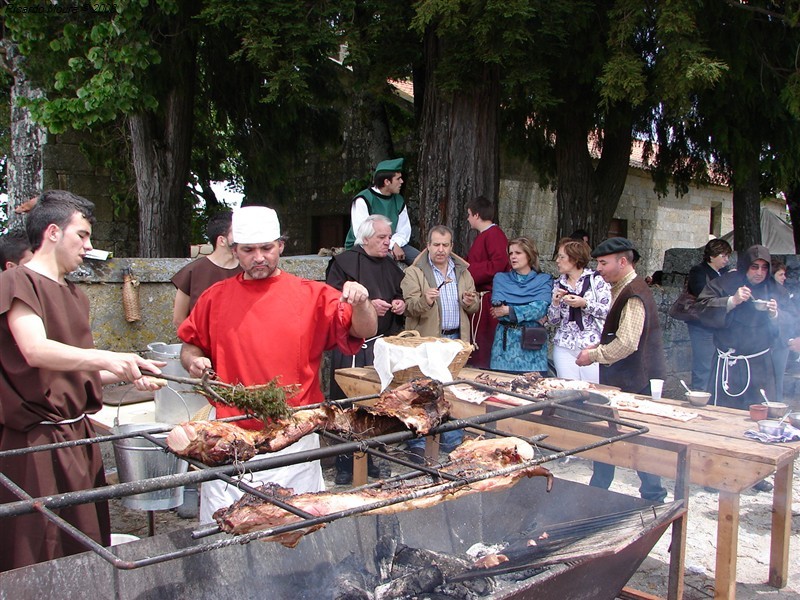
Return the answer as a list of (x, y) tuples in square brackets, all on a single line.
[(51, 377), (199, 275), (631, 351)]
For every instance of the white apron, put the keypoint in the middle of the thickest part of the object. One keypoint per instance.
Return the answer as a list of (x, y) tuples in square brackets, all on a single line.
[(304, 477)]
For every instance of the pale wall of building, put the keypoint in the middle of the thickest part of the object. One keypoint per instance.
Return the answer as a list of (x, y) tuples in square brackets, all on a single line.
[(654, 223)]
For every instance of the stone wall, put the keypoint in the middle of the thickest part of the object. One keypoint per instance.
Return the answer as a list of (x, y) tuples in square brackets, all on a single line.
[(654, 224), (67, 167), (102, 283)]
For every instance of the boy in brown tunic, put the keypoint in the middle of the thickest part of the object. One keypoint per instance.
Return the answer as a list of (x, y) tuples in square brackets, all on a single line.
[(50, 378)]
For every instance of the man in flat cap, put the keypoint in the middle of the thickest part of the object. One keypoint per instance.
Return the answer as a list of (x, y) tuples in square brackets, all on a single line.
[(265, 323), (384, 198), (631, 350)]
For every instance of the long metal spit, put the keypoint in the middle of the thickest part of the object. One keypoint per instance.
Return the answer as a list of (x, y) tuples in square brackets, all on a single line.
[(487, 423)]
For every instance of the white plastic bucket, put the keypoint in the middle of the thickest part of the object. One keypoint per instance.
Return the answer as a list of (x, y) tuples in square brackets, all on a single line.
[(177, 402), (138, 458)]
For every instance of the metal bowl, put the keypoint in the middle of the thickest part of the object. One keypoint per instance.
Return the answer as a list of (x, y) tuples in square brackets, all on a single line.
[(760, 304), (776, 410), (771, 427), (697, 398), (794, 419)]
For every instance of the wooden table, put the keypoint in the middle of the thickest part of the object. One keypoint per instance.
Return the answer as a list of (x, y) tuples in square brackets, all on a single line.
[(720, 457)]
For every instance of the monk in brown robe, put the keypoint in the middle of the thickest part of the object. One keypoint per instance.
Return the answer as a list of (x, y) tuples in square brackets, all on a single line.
[(51, 377)]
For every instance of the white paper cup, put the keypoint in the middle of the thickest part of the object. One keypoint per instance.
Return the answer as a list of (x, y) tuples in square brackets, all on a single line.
[(656, 387)]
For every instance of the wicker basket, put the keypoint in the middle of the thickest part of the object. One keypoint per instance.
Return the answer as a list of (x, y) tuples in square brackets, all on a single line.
[(412, 339)]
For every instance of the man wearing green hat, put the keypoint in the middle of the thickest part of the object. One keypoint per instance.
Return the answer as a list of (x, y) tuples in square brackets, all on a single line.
[(384, 198)]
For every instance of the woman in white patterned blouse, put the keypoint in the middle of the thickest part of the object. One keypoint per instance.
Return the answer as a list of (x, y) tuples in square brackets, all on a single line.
[(581, 299)]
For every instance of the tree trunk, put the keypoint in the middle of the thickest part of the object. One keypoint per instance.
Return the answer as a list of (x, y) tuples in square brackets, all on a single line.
[(746, 203), (161, 148), (25, 176), (793, 202), (588, 196), (576, 191), (459, 147)]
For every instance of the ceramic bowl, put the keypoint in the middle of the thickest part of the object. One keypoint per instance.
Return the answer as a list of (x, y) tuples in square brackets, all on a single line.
[(776, 410), (771, 427), (697, 398), (760, 304), (758, 412), (794, 419)]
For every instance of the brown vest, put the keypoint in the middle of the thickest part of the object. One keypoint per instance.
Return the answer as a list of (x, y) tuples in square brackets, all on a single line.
[(633, 373)]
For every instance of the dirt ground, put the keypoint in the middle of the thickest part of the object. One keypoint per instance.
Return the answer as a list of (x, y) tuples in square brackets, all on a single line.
[(753, 559)]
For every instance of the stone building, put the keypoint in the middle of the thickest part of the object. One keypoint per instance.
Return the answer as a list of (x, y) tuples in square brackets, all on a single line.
[(653, 223)]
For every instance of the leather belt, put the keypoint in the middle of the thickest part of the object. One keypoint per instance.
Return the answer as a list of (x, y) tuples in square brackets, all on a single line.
[(451, 331)]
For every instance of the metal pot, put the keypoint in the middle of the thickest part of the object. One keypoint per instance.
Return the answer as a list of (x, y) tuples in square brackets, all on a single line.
[(771, 427)]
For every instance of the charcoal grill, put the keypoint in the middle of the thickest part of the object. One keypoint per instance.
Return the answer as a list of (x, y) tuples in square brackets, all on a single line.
[(232, 563)]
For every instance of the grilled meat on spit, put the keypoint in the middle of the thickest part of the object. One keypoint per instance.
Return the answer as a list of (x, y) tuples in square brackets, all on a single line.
[(418, 405), (473, 458)]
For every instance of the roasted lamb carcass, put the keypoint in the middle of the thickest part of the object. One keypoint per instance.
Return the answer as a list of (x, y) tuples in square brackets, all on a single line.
[(418, 405), (471, 459), (219, 443)]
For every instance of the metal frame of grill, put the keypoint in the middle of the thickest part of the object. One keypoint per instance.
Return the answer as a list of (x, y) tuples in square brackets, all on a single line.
[(484, 423)]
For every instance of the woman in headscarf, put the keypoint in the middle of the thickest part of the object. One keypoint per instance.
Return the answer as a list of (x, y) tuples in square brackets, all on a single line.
[(520, 299), (747, 310)]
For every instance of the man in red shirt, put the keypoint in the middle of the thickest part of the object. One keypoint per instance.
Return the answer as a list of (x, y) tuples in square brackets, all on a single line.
[(266, 323), (487, 256)]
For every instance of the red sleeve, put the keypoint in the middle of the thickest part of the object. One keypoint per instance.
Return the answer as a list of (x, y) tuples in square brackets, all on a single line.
[(339, 331), (490, 258)]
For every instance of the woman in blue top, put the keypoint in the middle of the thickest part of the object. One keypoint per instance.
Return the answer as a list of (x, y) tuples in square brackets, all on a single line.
[(520, 298)]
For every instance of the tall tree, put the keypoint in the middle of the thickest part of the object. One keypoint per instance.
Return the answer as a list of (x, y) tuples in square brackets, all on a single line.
[(745, 126), (465, 46), (604, 68), (459, 149), (135, 61), (22, 138), (277, 56)]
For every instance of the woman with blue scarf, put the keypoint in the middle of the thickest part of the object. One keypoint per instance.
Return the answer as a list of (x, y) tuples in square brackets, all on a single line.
[(520, 299)]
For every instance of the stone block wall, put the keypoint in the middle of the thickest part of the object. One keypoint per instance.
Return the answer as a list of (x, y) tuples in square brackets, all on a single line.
[(102, 283), (654, 224), (66, 167)]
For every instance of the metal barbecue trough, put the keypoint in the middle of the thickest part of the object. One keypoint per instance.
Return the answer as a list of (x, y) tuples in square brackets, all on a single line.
[(628, 528)]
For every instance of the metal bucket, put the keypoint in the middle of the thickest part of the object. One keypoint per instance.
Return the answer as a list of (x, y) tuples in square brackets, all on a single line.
[(177, 402), (138, 458)]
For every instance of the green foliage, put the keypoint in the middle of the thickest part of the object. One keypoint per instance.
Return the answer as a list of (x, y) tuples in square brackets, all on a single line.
[(790, 95), (355, 184), (475, 33), (289, 41), (93, 66)]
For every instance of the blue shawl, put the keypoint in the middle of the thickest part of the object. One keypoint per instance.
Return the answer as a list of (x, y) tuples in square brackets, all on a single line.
[(513, 288)]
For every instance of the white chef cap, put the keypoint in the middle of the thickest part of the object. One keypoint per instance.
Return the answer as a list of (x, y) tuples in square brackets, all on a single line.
[(255, 225)]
